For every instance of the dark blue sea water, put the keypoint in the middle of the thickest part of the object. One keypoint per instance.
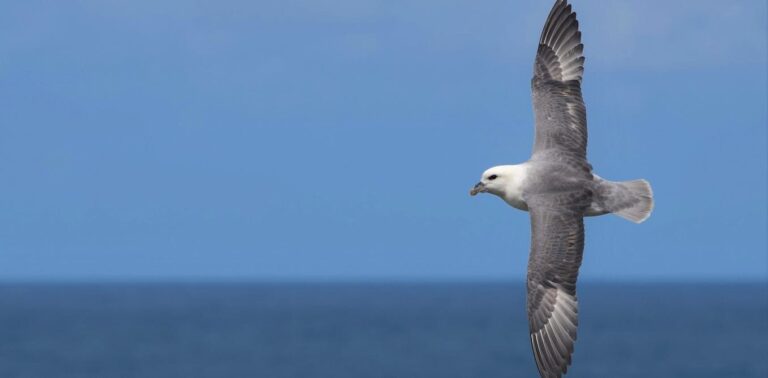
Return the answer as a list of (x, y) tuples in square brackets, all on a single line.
[(372, 330)]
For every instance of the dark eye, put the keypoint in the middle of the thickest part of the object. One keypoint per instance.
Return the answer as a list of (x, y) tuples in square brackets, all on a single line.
[(492, 177)]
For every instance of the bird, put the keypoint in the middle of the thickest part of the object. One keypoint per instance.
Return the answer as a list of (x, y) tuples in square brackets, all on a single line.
[(557, 187)]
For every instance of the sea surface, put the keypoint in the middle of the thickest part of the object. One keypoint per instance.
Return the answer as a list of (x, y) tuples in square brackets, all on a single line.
[(372, 330)]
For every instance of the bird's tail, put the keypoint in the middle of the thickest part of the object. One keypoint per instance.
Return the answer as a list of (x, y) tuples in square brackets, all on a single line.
[(631, 200)]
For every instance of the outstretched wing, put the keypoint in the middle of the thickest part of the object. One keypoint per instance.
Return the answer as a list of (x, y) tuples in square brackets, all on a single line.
[(557, 243), (561, 117)]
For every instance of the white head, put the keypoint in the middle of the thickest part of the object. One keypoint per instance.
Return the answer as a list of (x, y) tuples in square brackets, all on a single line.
[(504, 181)]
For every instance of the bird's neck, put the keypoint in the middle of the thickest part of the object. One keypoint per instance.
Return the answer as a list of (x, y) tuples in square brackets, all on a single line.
[(513, 192)]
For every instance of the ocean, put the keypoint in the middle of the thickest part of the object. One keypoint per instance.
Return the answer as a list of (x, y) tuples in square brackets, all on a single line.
[(335, 330)]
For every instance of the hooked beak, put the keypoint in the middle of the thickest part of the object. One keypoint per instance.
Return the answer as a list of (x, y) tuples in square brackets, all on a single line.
[(479, 188)]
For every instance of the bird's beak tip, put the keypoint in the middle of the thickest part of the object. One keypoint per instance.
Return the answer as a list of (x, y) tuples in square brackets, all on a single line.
[(479, 188)]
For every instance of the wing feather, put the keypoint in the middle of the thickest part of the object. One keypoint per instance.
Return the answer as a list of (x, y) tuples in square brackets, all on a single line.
[(557, 244), (561, 117)]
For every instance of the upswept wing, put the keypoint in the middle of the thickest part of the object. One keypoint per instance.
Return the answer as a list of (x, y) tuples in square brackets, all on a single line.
[(561, 117)]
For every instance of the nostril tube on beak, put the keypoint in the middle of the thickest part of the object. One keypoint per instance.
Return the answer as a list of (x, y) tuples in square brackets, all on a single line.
[(479, 188)]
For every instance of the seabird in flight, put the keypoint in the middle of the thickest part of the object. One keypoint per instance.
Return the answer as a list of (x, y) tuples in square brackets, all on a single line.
[(557, 187)]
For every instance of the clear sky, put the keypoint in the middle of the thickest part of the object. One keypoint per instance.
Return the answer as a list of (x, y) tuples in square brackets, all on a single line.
[(337, 139)]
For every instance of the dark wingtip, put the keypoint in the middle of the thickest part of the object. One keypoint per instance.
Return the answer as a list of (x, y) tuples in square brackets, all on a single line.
[(562, 38)]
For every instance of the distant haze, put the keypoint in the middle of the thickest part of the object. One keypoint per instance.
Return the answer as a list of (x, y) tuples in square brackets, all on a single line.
[(338, 139)]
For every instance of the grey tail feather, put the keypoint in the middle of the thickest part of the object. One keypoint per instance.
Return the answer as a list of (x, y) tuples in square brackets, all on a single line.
[(639, 204)]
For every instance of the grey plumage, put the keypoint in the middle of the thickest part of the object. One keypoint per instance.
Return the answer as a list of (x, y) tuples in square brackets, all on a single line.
[(561, 117), (558, 188), (563, 191), (631, 200), (560, 196)]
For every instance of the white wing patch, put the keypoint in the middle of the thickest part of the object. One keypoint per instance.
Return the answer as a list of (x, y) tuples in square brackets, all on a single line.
[(574, 113)]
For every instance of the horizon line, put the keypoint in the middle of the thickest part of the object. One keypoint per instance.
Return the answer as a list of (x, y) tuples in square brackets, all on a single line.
[(364, 280)]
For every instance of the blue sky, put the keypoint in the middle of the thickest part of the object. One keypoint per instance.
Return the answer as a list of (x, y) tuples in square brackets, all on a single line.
[(338, 139)]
